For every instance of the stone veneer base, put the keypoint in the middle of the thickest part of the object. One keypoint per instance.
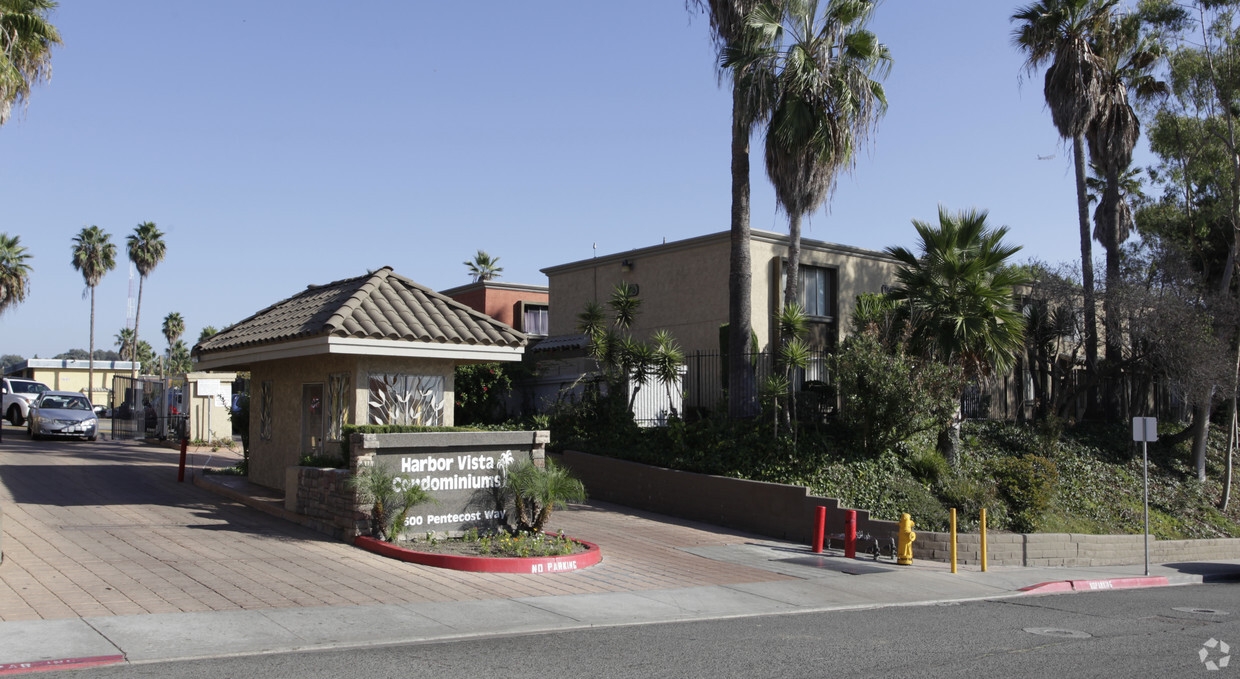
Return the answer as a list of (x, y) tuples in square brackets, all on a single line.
[(482, 564)]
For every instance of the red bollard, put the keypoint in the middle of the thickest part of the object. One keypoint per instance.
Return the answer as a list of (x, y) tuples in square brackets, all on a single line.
[(181, 469), (850, 534), (820, 527)]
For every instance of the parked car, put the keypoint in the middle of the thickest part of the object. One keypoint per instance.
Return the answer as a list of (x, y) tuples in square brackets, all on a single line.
[(62, 413), (18, 394)]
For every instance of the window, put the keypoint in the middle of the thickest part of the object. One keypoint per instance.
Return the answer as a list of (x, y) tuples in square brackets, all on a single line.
[(817, 291), (534, 319)]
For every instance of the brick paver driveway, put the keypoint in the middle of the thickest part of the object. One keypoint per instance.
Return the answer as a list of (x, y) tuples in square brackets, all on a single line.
[(103, 528)]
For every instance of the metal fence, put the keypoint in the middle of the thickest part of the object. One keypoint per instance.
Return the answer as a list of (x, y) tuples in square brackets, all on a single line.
[(703, 385), (148, 407)]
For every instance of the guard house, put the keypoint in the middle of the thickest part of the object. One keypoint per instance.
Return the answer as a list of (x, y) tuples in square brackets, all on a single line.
[(376, 349)]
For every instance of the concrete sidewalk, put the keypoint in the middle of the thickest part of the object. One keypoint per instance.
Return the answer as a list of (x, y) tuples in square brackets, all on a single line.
[(108, 559)]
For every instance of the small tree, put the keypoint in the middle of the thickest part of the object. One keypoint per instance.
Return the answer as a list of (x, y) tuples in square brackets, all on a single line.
[(622, 361)]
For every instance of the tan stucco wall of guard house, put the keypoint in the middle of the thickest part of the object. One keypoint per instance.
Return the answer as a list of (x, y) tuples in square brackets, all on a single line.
[(683, 286), (376, 349)]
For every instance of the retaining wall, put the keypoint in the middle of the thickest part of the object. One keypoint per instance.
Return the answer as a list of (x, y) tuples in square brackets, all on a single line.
[(787, 512), (323, 496), (773, 509), (1070, 549)]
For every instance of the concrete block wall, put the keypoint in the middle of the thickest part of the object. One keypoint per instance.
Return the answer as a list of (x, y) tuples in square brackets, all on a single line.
[(1069, 549), (773, 509)]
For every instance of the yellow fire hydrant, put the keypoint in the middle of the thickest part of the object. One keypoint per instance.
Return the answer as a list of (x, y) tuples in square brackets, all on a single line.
[(904, 550)]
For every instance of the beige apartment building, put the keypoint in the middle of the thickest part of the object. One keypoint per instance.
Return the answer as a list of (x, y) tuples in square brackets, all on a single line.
[(683, 286)]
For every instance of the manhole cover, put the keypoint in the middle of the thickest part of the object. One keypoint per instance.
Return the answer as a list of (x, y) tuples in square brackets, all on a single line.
[(1203, 611), (1062, 633)]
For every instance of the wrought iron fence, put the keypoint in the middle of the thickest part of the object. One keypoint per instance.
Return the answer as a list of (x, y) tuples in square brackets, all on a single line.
[(148, 407), (703, 385)]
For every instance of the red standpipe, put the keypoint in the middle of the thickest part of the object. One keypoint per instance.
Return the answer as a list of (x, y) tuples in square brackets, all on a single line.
[(850, 534), (181, 469), (820, 527)]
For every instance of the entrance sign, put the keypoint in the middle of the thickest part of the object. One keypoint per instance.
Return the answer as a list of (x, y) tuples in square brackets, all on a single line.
[(464, 487), (463, 472)]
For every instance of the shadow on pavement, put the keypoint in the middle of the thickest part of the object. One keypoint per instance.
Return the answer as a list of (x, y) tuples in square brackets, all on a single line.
[(1209, 572)]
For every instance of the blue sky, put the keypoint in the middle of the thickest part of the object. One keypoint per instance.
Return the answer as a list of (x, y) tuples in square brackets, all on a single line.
[(281, 143)]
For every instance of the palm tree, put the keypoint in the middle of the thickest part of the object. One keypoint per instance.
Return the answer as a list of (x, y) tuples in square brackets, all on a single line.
[(207, 333), (125, 343), (174, 327), (94, 255), (146, 251), (14, 272), (826, 104), (26, 40), (958, 297), (1060, 32), (1126, 57), (483, 267), (729, 21)]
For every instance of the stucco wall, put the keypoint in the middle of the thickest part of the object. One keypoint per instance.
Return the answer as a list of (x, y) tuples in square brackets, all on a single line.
[(270, 457)]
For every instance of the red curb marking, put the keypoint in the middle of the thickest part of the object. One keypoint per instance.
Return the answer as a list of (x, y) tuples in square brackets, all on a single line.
[(482, 564), (1096, 585), (65, 663)]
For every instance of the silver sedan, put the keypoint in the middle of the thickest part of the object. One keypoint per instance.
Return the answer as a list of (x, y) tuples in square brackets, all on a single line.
[(62, 413)]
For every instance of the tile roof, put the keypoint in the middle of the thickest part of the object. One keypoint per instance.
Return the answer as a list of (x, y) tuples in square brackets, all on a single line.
[(380, 305)]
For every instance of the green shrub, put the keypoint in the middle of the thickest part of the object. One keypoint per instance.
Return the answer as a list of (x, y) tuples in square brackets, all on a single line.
[(1028, 484), (969, 495), (887, 397), (927, 465), (481, 389)]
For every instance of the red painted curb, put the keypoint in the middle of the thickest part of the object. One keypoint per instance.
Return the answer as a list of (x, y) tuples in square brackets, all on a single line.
[(1096, 585), (484, 564), (65, 664)]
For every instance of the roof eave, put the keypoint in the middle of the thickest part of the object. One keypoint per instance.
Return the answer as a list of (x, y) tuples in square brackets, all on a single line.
[(243, 357)]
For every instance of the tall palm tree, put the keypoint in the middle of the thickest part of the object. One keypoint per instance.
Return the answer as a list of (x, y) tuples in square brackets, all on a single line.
[(94, 255), (827, 103), (1060, 32), (174, 327), (484, 267), (26, 41), (146, 251), (1126, 57), (14, 272), (958, 296), (729, 24)]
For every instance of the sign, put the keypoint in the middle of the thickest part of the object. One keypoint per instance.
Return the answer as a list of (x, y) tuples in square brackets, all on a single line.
[(464, 486), (209, 387), (1145, 429)]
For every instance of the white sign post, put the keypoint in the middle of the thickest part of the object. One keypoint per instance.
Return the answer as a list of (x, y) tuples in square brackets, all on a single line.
[(1145, 429)]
